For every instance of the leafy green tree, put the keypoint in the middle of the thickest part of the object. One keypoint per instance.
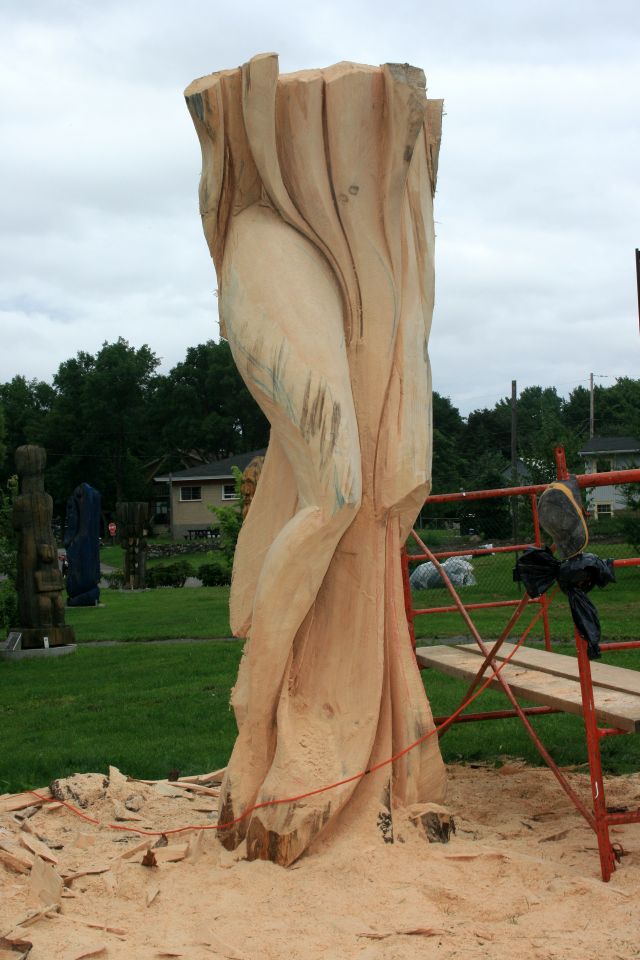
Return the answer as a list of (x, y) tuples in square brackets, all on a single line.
[(8, 556), (25, 406), (230, 519), (203, 406), (98, 428), (449, 463)]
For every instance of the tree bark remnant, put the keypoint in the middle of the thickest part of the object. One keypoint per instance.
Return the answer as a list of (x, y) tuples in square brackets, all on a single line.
[(316, 199)]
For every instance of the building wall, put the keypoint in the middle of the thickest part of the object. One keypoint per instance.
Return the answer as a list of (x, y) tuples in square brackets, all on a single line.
[(611, 494), (194, 514)]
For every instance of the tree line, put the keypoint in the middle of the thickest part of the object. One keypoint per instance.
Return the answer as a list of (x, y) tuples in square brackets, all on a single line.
[(112, 420)]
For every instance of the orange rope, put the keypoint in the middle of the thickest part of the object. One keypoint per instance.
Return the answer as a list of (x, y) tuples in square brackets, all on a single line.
[(309, 793)]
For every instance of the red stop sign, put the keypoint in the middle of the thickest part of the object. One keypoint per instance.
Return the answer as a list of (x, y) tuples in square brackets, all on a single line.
[(112, 529)]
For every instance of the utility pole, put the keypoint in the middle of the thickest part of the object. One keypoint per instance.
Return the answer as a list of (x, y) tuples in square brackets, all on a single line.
[(638, 280), (514, 457), (591, 407)]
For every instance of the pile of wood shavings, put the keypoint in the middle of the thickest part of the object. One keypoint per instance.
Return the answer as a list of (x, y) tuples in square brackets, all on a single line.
[(520, 875)]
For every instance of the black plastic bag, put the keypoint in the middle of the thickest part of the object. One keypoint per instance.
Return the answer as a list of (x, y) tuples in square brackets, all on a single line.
[(538, 569)]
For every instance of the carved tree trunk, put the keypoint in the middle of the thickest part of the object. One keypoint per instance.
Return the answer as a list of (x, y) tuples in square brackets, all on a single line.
[(316, 200)]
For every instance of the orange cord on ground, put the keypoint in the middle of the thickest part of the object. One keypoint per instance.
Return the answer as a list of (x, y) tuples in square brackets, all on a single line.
[(309, 793)]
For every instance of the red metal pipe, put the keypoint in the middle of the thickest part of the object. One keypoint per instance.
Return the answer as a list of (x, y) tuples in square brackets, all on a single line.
[(473, 606), (498, 714), (479, 552), (408, 603), (613, 477), (621, 645), (607, 856), (631, 817)]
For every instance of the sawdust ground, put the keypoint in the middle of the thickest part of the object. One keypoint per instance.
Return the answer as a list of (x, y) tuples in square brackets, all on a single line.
[(519, 879)]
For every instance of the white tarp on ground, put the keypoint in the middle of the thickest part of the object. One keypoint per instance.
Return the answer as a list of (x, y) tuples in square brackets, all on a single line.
[(458, 569)]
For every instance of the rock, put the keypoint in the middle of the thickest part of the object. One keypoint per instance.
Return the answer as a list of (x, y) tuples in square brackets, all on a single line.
[(135, 802)]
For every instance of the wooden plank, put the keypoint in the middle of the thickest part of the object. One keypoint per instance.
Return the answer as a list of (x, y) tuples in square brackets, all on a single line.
[(10, 802), (560, 665), (612, 707)]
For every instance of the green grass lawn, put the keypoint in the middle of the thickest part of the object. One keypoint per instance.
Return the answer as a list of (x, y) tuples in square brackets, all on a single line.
[(114, 557), (161, 614), (150, 709), (145, 709), (203, 612)]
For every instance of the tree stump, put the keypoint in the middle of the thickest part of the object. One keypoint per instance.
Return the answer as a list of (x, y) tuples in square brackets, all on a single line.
[(316, 200)]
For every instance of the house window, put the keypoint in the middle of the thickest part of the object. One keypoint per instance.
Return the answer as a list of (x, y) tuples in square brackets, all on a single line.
[(604, 510), (229, 491), (191, 493), (604, 464)]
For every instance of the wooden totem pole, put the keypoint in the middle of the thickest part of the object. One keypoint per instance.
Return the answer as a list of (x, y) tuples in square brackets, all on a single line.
[(39, 581), (133, 527), (249, 482), (316, 201)]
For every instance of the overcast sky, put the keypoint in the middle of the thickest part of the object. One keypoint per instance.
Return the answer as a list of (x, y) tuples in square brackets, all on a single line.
[(538, 203)]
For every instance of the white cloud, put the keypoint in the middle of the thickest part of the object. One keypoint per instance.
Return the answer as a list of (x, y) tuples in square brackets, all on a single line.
[(537, 207)]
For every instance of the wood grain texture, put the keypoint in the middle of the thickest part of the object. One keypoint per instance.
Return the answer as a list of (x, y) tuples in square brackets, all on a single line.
[(316, 199), (603, 674), (613, 707)]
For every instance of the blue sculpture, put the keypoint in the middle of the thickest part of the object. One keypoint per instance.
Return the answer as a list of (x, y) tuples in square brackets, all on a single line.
[(82, 543)]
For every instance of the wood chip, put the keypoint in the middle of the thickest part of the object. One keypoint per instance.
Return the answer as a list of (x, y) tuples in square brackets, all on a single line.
[(415, 932), (152, 893), (136, 848), (17, 860), (85, 872), (15, 950), (52, 807), (86, 952), (10, 802), (110, 882), (198, 788), (195, 845), (554, 836), (37, 847), (149, 859), (169, 854), (45, 884), (120, 812), (32, 916), (15, 946), (215, 777), (27, 812)]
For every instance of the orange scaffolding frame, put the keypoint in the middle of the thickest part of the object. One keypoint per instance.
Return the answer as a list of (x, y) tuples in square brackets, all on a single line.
[(599, 818)]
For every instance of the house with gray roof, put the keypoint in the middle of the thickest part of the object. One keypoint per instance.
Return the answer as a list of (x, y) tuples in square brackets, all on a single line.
[(602, 454), (192, 492)]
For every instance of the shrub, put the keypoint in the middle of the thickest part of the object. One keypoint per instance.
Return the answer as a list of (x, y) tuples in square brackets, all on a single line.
[(8, 605), (169, 574), (115, 579), (215, 573), (230, 520)]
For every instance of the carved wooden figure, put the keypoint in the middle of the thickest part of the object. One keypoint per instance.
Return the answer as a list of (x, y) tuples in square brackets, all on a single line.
[(249, 482), (133, 527), (316, 201), (39, 581)]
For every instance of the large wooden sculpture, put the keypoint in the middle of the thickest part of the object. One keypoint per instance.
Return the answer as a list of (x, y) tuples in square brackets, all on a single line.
[(316, 200), (39, 581), (82, 543)]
